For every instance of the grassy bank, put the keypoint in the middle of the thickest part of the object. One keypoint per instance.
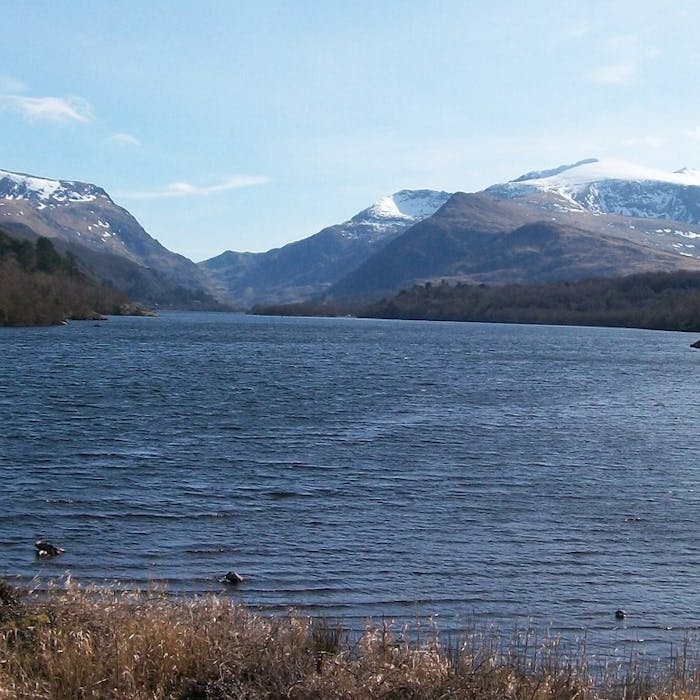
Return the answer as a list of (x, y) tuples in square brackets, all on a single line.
[(96, 643)]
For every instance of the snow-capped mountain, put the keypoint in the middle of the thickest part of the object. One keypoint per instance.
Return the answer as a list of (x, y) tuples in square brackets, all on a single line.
[(613, 187), (591, 218), (406, 206), (76, 212), (47, 192), (308, 267), (392, 214), (85, 218)]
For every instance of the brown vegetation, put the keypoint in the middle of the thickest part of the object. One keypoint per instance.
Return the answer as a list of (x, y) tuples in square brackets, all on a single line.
[(97, 643), (655, 300), (40, 287)]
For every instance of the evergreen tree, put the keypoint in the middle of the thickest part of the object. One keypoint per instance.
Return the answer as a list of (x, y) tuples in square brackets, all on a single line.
[(47, 259)]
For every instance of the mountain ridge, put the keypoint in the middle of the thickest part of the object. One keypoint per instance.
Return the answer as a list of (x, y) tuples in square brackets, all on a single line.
[(86, 219), (589, 217), (308, 267), (613, 218), (482, 239), (614, 187)]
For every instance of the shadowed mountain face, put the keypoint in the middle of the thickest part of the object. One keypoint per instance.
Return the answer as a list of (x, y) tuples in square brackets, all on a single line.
[(482, 238), (108, 240)]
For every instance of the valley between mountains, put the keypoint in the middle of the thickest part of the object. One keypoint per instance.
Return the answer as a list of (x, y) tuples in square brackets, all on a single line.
[(591, 219)]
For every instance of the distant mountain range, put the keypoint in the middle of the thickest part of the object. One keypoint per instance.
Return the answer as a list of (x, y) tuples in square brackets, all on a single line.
[(592, 218), (589, 219), (310, 267)]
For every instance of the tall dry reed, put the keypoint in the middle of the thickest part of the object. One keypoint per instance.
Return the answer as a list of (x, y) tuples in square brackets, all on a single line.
[(99, 643)]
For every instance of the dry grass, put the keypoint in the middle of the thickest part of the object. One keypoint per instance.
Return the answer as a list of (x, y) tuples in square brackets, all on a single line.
[(98, 643)]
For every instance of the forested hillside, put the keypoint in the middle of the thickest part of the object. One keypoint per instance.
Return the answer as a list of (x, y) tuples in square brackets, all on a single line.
[(656, 300), (38, 286)]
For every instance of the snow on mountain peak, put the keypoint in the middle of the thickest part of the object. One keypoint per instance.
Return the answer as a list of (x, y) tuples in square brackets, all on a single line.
[(592, 170), (540, 174), (612, 187), (394, 213), (21, 186), (42, 187), (408, 204)]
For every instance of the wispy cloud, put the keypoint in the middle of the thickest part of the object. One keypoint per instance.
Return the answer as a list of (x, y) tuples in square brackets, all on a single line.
[(122, 139), (623, 61), (8, 84), (622, 73), (572, 32), (48, 108), (186, 189), (648, 141), (694, 133)]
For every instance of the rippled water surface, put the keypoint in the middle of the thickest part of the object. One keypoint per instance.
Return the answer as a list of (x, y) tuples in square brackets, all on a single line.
[(481, 474)]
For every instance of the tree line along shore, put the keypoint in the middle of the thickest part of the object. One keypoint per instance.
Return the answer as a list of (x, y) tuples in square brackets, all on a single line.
[(41, 287), (653, 300)]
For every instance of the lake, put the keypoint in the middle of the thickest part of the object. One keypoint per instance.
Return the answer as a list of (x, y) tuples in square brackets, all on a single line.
[(467, 474)]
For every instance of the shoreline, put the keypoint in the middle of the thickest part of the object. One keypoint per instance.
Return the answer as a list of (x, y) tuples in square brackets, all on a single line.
[(97, 642)]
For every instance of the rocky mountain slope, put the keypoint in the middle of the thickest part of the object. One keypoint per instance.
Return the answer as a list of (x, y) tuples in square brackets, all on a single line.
[(614, 187), (307, 268), (590, 219), (666, 204), (110, 242)]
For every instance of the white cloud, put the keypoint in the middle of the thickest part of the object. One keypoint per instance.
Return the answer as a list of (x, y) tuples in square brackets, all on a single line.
[(624, 57), (8, 84), (48, 108), (622, 73), (695, 133), (186, 189), (123, 139), (572, 32)]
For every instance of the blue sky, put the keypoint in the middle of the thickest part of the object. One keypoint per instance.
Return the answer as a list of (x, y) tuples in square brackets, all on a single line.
[(246, 125)]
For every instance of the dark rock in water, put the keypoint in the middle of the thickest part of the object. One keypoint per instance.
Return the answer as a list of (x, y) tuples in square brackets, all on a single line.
[(46, 549), (696, 344), (131, 309), (232, 577), (620, 614)]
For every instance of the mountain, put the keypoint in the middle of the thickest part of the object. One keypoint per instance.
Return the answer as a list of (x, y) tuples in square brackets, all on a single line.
[(108, 240), (614, 187), (307, 268), (593, 218)]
